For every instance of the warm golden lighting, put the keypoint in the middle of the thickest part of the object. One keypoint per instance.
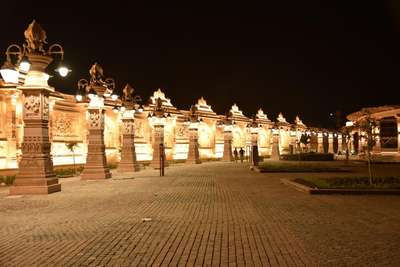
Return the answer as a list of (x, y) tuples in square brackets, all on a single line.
[(63, 71), (25, 65), (9, 75)]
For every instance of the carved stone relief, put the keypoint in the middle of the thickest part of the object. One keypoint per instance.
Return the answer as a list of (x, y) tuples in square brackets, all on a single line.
[(32, 106)]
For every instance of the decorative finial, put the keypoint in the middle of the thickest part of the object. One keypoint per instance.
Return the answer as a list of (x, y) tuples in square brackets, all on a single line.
[(35, 38), (159, 104), (128, 92), (281, 118), (96, 74), (202, 101)]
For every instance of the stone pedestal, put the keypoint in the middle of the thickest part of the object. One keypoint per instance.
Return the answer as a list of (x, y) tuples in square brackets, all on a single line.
[(227, 156), (275, 147), (96, 163), (320, 143), (128, 161), (158, 139), (330, 143), (193, 154), (36, 175)]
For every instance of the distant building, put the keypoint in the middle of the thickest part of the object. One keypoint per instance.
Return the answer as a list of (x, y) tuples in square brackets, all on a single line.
[(387, 132)]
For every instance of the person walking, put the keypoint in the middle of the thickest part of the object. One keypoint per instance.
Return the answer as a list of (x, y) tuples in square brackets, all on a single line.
[(235, 154), (241, 152)]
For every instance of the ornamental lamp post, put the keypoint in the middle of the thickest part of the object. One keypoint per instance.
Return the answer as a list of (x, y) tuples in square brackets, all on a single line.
[(157, 121), (254, 130), (130, 105), (227, 123), (193, 121), (25, 68), (95, 93)]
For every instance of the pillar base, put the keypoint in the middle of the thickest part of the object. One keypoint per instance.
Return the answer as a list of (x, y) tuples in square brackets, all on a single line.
[(193, 161), (128, 167), (38, 187), (95, 174), (156, 165)]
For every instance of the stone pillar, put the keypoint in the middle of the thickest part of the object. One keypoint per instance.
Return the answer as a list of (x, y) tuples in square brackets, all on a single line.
[(36, 175), (351, 144), (275, 145), (320, 143), (96, 163), (330, 143), (340, 144), (128, 161), (398, 136), (193, 154), (227, 156), (361, 142), (158, 139), (293, 142), (254, 148)]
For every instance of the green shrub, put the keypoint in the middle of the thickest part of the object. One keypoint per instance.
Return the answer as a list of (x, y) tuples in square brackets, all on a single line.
[(308, 157), (112, 166), (67, 172), (8, 180), (64, 172), (211, 159), (289, 166)]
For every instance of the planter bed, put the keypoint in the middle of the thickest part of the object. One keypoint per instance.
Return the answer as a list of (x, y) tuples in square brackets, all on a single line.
[(308, 186), (299, 167)]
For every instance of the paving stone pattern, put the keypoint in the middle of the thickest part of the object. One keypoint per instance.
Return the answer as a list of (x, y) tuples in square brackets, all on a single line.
[(213, 214)]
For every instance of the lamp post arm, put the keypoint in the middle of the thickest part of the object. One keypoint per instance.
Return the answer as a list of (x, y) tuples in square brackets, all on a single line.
[(53, 50), (10, 53)]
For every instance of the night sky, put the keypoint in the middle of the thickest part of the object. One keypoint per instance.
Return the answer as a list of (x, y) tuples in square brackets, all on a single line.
[(299, 57)]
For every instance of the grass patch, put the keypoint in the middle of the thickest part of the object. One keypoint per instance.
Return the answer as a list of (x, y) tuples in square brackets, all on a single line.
[(299, 167), (7, 180), (350, 183)]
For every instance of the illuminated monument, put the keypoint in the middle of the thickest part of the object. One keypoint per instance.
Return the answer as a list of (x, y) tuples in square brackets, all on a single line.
[(37, 123)]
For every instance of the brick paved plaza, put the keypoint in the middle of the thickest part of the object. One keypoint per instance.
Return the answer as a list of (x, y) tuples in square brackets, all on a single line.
[(211, 214)]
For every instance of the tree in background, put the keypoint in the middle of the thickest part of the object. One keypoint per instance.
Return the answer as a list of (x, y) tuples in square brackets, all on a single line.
[(346, 131), (305, 139), (71, 146), (367, 125)]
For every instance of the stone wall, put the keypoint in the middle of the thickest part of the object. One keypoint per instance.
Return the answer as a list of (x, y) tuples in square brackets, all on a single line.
[(68, 123)]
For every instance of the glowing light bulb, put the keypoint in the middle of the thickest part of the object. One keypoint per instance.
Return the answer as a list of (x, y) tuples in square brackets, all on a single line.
[(63, 71)]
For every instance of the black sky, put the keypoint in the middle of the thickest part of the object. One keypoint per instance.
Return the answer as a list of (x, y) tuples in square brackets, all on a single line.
[(300, 57)]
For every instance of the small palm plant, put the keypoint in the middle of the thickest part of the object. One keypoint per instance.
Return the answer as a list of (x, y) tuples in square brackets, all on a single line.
[(71, 146)]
